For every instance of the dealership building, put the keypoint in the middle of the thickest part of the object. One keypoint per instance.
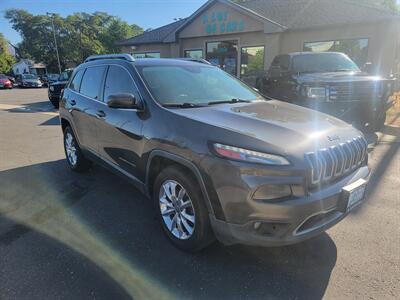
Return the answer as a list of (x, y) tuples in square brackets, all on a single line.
[(243, 37)]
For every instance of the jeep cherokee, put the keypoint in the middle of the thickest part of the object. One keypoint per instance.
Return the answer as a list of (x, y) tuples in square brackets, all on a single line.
[(217, 159)]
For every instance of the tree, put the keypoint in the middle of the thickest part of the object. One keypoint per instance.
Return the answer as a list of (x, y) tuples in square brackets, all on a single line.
[(6, 59), (390, 4), (78, 36)]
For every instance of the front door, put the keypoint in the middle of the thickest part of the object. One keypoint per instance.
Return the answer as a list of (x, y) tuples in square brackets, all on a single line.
[(223, 54), (120, 132)]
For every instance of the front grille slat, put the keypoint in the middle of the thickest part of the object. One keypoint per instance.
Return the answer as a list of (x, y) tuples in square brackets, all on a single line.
[(336, 161), (354, 91)]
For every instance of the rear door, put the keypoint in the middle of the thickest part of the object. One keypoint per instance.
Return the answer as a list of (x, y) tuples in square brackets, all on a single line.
[(86, 106), (120, 132)]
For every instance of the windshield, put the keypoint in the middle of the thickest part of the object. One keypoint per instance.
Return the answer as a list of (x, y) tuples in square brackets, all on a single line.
[(29, 76), (65, 75), (323, 62), (194, 84), (53, 76)]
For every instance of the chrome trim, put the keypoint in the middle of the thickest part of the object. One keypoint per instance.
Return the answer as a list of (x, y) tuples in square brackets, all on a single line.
[(336, 161), (338, 215)]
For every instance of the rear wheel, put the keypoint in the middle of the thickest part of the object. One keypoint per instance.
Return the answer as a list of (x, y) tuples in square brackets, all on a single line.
[(181, 209), (73, 153)]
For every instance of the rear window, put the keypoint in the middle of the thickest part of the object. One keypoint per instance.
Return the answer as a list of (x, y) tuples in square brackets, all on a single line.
[(91, 82)]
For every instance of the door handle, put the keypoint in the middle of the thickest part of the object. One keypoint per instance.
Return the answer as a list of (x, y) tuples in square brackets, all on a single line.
[(100, 114), (72, 102)]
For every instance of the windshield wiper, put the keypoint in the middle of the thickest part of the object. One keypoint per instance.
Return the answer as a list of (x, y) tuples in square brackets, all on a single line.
[(182, 105), (233, 100), (344, 70)]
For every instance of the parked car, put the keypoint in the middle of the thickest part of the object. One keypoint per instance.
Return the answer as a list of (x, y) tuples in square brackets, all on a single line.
[(12, 79), (332, 83), (56, 87), (217, 159), (49, 78), (5, 83), (28, 80)]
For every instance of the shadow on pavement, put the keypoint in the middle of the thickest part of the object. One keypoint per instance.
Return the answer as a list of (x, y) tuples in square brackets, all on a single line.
[(53, 221), (43, 106), (52, 121)]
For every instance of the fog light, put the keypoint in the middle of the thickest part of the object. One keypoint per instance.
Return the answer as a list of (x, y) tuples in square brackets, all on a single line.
[(272, 191)]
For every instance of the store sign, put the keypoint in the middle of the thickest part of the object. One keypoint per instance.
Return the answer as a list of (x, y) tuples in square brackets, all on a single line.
[(221, 22)]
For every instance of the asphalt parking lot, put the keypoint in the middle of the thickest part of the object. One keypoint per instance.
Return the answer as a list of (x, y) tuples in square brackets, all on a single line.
[(94, 236)]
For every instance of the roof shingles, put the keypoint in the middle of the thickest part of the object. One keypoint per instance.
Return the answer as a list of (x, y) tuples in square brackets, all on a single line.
[(290, 14), (153, 36)]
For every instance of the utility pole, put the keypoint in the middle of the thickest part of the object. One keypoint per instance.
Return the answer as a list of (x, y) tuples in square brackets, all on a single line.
[(51, 15)]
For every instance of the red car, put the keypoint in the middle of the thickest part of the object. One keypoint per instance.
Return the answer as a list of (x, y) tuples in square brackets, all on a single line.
[(5, 83)]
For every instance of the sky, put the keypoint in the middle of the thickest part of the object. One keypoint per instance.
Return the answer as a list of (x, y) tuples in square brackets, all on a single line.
[(145, 13)]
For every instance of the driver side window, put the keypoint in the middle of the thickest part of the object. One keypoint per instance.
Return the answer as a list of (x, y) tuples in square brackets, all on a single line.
[(118, 81)]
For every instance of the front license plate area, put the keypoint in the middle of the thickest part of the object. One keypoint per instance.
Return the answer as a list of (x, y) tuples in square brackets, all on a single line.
[(354, 193)]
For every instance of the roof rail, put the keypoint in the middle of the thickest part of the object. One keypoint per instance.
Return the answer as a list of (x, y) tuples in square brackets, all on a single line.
[(124, 56), (199, 60)]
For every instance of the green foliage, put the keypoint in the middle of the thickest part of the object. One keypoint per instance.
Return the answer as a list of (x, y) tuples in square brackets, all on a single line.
[(6, 59), (78, 36), (390, 4)]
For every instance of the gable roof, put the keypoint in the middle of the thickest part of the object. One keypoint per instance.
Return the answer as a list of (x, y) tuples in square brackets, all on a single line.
[(157, 35), (303, 14), (279, 15)]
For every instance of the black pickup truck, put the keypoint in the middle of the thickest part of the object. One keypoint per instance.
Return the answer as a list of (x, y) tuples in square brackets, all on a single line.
[(332, 83)]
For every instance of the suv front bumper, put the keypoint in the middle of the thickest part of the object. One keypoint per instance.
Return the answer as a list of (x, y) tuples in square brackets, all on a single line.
[(283, 222)]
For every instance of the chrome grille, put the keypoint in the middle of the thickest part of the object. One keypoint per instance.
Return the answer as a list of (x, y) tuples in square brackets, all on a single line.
[(354, 91), (336, 161)]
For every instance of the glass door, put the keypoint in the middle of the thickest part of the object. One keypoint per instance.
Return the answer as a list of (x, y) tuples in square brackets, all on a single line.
[(223, 54)]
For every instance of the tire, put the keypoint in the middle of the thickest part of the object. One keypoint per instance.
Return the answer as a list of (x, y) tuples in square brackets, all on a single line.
[(55, 102), (380, 122), (194, 214), (75, 159)]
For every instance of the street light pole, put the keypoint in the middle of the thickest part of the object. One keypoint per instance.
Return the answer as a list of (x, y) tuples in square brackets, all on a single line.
[(51, 15)]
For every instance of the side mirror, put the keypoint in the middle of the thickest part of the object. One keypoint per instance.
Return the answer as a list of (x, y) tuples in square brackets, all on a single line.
[(124, 100), (368, 68)]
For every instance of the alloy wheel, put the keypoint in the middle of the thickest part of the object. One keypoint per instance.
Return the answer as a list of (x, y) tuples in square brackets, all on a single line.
[(177, 209), (70, 149)]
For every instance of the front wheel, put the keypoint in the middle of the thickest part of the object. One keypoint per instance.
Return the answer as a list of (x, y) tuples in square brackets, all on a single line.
[(76, 161), (55, 102), (181, 209)]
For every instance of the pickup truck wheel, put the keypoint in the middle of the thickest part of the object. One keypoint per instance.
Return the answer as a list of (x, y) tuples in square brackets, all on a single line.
[(380, 122), (73, 153), (181, 210)]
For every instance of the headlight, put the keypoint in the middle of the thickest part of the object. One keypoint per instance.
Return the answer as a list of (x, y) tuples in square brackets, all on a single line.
[(317, 93), (249, 155), (51, 88)]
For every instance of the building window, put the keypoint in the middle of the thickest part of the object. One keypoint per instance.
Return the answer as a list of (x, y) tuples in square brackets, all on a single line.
[(223, 54), (197, 54), (356, 49), (147, 55), (251, 63)]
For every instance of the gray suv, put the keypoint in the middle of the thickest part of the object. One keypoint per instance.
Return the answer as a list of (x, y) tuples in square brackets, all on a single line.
[(218, 160)]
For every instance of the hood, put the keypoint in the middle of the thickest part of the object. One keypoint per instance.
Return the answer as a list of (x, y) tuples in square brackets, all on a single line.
[(285, 127), (336, 77), (61, 83)]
